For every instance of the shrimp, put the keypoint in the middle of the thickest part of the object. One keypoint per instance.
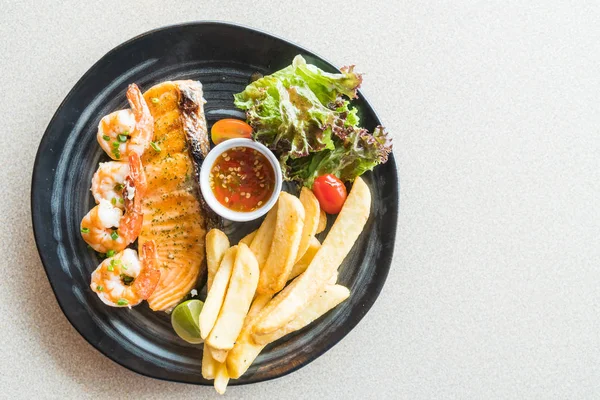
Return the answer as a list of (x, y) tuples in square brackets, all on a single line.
[(124, 280), (125, 131), (109, 181), (107, 227)]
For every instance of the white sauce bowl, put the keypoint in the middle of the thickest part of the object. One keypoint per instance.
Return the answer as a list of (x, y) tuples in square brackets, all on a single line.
[(208, 194)]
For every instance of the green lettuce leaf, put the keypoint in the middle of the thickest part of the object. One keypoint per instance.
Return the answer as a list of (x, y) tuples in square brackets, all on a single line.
[(352, 156), (301, 114)]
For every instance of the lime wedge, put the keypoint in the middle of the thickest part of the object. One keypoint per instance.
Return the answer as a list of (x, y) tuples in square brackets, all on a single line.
[(185, 320)]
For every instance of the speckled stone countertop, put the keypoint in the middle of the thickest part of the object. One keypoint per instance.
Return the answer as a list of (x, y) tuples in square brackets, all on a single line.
[(494, 107)]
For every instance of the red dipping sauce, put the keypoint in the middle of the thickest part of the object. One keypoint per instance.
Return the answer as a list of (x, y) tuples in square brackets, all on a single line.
[(242, 179)]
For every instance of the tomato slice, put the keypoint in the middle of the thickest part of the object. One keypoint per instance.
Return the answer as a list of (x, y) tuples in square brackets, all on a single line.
[(330, 192), (230, 128)]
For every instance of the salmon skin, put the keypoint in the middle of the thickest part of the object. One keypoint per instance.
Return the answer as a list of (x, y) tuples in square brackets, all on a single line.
[(175, 215), (191, 104)]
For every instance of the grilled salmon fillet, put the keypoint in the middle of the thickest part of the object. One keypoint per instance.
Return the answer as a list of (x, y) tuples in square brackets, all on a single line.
[(174, 216)]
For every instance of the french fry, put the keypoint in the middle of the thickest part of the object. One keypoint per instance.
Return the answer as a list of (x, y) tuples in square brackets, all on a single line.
[(322, 222), (241, 290), (218, 355), (221, 379), (301, 265), (311, 220), (286, 238), (209, 365), (216, 244), (261, 243), (329, 297), (338, 243), (216, 294), (245, 351), (247, 240)]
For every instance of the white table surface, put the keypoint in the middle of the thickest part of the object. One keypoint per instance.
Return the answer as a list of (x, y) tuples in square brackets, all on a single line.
[(494, 107)]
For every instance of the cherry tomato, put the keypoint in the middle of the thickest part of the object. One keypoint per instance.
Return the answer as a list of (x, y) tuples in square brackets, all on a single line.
[(330, 192), (230, 129)]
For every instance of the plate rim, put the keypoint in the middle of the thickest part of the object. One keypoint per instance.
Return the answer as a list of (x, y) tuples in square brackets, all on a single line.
[(348, 326)]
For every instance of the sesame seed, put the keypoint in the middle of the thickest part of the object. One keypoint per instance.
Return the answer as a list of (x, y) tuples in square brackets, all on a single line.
[(224, 155), (243, 193), (262, 185), (247, 195), (260, 203), (226, 199)]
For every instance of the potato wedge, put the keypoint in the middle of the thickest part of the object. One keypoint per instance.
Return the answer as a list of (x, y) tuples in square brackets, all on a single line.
[(221, 379), (216, 244), (336, 246), (209, 365), (261, 243), (216, 294), (218, 355), (329, 297), (322, 222), (247, 240), (300, 266), (241, 290), (311, 220), (245, 351), (286, 238)]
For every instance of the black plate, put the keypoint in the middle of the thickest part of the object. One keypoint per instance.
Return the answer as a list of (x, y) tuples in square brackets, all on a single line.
[(222, 57)]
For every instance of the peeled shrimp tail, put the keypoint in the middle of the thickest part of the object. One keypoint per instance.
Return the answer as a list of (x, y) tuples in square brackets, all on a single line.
[(131, 224), (144, 127), (138, 103), (136, 174), (133, 193), (135, 185), (149, 276)]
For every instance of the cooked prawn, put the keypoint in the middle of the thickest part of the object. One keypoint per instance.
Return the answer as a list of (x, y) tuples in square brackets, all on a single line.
[(125, 131), (124, 279), (107, 227), (109, 181)]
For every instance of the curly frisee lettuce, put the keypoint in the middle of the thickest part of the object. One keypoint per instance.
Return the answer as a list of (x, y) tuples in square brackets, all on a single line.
[(302, 113)]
